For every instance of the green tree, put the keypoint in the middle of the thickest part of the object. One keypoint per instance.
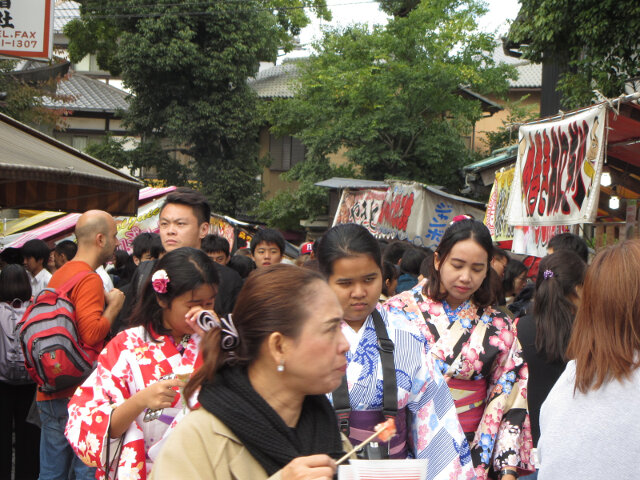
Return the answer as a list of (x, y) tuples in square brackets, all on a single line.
[(507, 133), (25, 101), (595, 39), (187, 64), (390, 94)]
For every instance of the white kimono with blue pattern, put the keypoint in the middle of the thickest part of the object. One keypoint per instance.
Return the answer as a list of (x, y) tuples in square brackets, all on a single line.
[(434, 428)]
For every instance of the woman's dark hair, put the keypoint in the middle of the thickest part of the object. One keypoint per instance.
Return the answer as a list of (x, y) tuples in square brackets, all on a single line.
[(512, 270), (558, 276), (344, 241), (273, 299), (241, 264), (411, 260), (457, 232), (14, 284), (389, 272), (427, 264), (497, 295), (187, 269)]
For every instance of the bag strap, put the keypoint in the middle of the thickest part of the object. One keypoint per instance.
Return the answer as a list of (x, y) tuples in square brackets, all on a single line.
[(389, 383), (73, 281), (340, 395)]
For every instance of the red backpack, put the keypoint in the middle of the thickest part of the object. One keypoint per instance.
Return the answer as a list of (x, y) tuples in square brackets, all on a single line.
[(54, 355)]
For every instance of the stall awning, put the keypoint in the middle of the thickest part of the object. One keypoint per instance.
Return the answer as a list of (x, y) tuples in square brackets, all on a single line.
[(39, 172)]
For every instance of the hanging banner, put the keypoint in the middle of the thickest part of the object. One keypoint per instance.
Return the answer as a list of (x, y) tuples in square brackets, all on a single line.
[(362, 207), (557, 176), (534, 240), (409, 211), (496, 217), (219, 226), (26, 28)]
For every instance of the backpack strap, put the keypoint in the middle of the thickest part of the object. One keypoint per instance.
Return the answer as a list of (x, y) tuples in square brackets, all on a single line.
[(73, 281), (340, 395)]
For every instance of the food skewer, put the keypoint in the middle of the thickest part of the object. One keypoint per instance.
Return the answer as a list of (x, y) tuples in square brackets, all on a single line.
[(390, 424)]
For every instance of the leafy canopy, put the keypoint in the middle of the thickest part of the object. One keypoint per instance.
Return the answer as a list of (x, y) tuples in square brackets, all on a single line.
[(389, 94), (596, 39), (187, 64)]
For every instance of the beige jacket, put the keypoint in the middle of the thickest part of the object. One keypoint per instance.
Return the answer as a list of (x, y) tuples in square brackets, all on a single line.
[(203, 448)]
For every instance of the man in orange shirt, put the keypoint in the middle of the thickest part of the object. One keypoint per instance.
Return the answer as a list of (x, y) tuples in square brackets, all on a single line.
[(96, 236)]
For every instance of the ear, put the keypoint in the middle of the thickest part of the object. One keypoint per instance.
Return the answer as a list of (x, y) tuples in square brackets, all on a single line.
[(136, 260), (436, 261), (204, 230), (100, 239), (278, 346), (163, 304)]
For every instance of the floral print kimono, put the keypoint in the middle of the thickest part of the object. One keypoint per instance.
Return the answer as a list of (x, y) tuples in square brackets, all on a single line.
[(128, 364), (433, 428), (478, 347)]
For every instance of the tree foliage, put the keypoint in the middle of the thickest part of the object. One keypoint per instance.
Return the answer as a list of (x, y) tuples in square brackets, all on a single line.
[(507, 133), (187, 64), (25, 101), (596, 39), (390, 94)]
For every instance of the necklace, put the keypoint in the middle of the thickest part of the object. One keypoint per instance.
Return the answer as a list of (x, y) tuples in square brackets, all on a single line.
[(182, 344)]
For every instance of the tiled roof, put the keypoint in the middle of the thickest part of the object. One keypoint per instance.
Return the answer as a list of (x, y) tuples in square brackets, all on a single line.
[(529, 74), (63, 12), (89, 95), (275, 81)]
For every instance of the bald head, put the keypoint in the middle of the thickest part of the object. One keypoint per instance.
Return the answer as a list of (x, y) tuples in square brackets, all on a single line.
[(92, 223)]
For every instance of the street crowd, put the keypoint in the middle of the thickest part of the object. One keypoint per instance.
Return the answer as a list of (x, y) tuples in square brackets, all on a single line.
[(208, 365)]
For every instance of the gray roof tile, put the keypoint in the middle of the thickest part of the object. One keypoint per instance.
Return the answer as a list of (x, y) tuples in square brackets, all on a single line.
[(275, 81), (529, 74), (63, 12), (89, 95)]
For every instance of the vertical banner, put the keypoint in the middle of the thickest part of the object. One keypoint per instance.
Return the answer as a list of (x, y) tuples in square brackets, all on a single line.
[(219, 226), (362, 207), (534, 240), (557, 176), (26, 28), (496, 216)]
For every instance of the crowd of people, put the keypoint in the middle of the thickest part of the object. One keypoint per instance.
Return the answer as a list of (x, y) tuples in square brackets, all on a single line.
[(241, 365)]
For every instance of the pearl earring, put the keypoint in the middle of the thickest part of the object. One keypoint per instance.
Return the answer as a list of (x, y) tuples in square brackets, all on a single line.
[(281, 367)]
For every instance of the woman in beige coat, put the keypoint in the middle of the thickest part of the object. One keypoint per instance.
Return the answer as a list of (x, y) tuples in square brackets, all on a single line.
[(263, 410)]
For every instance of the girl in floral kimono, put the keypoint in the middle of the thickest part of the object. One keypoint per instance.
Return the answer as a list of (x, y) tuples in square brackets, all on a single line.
[(122, 413), (389, 372), (476, 348)]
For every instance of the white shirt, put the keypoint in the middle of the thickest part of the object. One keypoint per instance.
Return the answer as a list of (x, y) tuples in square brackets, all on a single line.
[(107, 283), (39, 282)]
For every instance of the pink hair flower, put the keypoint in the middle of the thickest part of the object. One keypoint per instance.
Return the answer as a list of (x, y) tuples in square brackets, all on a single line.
[(159, 281)]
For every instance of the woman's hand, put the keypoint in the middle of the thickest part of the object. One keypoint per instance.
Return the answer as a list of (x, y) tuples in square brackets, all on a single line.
[(311, 467), (160, 394)]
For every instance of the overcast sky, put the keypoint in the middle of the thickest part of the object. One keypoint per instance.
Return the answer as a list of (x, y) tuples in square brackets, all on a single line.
[(346, 12)]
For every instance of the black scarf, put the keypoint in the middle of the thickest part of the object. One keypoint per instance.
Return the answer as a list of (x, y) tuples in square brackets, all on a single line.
[(232, 399)]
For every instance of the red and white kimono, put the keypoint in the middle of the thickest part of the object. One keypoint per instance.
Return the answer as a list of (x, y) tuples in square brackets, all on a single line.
[(129, 363)]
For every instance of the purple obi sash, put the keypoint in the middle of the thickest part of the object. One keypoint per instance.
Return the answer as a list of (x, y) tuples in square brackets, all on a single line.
[(361, 425)]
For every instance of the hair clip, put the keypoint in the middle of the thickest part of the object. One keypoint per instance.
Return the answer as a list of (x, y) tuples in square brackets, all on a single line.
[(207, 321), (548, 274), (460, 218), (160, 281), (229, 339)]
